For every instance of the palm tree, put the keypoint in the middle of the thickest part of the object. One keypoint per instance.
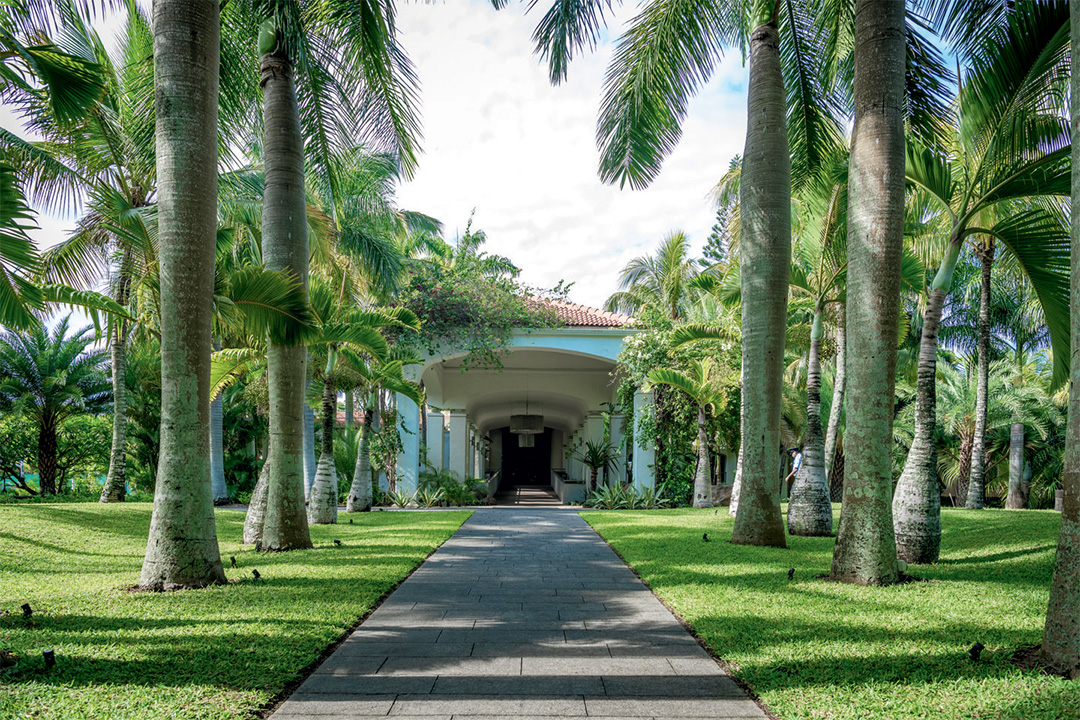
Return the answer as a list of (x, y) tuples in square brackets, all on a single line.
[(182, 550), (665, 54), (355, 332), (698, 383), (374, 378), (1010, 146), (599, 456), (49, 377), (1061, 636), (353, 78), (108, 155), (661, 281), (865, 547)]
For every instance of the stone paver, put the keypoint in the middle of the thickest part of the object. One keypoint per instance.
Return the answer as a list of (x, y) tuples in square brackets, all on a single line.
[(524, 613)]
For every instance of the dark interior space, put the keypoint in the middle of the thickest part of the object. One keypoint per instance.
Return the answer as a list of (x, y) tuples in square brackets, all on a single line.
[(526, 466)]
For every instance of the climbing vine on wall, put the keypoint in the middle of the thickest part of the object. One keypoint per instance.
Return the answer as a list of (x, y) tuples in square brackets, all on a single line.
[(671, 427), (467, 298)]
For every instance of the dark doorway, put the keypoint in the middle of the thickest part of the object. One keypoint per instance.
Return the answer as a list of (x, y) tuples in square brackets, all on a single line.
[(526, 466)]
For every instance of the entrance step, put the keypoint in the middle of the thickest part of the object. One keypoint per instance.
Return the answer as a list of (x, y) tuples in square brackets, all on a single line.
[(528, 495)]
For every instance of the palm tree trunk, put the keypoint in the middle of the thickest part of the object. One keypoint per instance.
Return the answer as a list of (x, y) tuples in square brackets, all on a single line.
[(917, 500), (1017, 498), (360, 491), (766, 262), (46, 458), (736, 486), (703, 475), (809, 509), (865, 551), (116, 482), (832, 434), (218, 488), (310, 463), (323, 502), (256, 512), (1061, 638), (285, 247), (976, 495), (349, 409), (182, 550)]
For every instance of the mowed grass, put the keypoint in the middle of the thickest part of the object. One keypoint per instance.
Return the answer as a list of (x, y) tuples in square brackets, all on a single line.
[(220, 652), (810, 648)]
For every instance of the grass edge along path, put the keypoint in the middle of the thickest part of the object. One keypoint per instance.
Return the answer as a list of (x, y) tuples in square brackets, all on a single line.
[(809, 648), (224, 652)]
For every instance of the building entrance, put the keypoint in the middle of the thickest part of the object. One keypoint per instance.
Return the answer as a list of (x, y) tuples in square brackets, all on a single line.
[(526, 466)]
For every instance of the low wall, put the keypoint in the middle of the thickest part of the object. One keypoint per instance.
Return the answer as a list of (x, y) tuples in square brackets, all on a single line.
[(567, 490)]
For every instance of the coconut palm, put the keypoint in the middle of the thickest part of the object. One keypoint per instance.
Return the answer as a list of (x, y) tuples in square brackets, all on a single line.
[(660, 281), (1061, 635), (332, 74), (109, 155), (700, 385), (340, 329), (182, 550), (1010, 145), (49, 377), (373, 378)]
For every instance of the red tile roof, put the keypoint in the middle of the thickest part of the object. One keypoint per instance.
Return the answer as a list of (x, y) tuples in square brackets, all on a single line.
[(575, 315)]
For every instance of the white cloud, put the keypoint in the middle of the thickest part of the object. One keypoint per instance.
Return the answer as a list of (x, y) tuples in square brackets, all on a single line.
[(500, 138)]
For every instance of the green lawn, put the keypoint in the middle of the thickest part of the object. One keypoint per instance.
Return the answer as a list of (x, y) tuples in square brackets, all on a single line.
[(815, 649), (215, 653)]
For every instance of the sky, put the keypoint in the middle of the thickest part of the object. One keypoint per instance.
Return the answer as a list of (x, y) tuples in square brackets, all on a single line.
[(500, 140)]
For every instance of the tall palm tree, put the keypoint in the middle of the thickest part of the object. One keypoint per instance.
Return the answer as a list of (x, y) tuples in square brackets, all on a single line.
[(373, 379), (353, 79), (340, 330), (865, 547), (1010, 145), (660, 281), (700, 385), (109, 155), (1061, 635), (182, 550), (49, 377)]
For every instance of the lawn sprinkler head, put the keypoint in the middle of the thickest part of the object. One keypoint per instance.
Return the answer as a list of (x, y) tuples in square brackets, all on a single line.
[(791, 574), (50, 657), (975, 651), (27, 611)]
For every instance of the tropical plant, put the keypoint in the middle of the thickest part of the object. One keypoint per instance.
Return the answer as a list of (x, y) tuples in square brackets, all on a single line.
[(599, 456), (699, 383), (322, 66), (1010, 145), (108, 155), (608, 497), (182, 549), (50, 377), (661, 282), (402, 499)]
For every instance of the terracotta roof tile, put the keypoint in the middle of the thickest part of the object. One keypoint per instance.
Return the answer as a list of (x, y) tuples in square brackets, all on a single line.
[(575, 315)]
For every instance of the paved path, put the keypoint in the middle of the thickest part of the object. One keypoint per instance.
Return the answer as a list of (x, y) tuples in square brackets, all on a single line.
[(523, 613)]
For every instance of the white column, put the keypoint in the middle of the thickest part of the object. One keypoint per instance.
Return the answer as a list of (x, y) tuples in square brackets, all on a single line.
[(618, 431), (644, 457), (434, 439), (459, 443), (408, 460)]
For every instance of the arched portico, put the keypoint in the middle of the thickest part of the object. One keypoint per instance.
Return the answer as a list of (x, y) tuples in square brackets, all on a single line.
[(567, 375)]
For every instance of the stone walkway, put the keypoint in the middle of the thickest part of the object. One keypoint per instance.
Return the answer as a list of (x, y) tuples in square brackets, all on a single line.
[(523, 613)]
